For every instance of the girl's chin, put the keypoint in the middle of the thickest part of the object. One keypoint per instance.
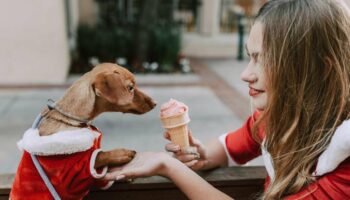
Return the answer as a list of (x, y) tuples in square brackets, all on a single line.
[(260, 109), (259, 106)]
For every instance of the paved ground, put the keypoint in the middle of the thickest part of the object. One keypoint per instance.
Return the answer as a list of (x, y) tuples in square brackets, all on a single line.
[(215, 46), (212, 113)]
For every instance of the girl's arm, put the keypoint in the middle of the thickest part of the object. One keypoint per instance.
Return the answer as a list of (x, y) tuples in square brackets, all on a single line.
[(150, 163), (190, 183)]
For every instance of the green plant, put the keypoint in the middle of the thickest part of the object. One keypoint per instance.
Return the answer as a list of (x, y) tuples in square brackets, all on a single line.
[(150, 37), (166, 40)]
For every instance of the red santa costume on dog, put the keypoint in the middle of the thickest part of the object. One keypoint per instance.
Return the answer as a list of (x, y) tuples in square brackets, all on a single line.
[(68, 159), (240, 147)]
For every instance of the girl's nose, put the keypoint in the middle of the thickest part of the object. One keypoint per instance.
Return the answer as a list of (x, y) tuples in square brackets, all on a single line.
[(248, 76)]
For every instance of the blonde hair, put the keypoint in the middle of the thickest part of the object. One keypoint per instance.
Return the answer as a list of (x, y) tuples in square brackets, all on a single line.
[(306, 56)]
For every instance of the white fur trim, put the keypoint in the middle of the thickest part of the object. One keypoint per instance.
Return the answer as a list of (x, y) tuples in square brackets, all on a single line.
[(92, 166), (337, 151), (267, 161), (230, 161), (107, 186), (63, 142)]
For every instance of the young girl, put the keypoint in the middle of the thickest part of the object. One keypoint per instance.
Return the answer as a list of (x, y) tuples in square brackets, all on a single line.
[(299, 83)]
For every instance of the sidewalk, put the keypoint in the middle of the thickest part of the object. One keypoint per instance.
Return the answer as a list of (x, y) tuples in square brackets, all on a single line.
[(210, 115)]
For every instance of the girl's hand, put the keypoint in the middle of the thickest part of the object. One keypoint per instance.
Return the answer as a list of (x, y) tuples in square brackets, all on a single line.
[(195, 157), (144, 164), (150, 163)]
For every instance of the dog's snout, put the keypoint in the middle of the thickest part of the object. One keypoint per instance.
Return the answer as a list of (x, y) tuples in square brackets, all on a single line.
[(149, 101), (142, 102), (152, 104)]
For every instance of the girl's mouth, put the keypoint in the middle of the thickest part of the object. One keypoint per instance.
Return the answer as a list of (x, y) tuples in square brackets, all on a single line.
[(254, 92)]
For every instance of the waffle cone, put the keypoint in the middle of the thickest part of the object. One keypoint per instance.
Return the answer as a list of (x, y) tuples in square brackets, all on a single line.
[(175, 121), (179, 135)]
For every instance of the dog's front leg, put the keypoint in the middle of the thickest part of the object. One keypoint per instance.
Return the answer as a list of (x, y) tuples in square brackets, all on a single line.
[(114, 157)]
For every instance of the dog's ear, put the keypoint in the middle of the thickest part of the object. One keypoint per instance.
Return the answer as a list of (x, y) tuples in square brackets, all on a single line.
[(110, 86)]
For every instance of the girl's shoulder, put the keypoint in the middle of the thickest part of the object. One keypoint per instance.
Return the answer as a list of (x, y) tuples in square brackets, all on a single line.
[(334, 185)]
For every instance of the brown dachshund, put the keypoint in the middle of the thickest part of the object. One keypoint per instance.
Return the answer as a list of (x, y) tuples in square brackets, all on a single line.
[(106, 88)]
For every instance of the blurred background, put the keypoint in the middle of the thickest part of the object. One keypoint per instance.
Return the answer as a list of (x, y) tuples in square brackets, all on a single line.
[(190, 50), (71, 36)]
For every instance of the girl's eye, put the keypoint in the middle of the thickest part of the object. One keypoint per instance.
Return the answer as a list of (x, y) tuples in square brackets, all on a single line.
[(130, 88), (255, 60), (252, 59)]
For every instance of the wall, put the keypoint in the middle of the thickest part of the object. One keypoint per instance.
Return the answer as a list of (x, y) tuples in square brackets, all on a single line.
[(34, 45)]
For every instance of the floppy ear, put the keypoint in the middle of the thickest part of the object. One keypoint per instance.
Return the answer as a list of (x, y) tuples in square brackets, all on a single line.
[(110, 86)]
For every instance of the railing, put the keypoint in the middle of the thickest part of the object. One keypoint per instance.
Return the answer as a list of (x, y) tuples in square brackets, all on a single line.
[(237, 182)]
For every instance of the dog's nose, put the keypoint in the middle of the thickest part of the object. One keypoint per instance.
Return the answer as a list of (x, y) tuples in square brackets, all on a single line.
[(154, 104)]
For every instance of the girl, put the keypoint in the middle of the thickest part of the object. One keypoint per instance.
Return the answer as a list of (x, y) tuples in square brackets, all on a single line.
[(299, 83)]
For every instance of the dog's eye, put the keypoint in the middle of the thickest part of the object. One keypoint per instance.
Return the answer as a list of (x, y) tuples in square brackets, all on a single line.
[(130, 88)]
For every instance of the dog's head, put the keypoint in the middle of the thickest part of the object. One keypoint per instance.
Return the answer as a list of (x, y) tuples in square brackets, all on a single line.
[(115, 89)]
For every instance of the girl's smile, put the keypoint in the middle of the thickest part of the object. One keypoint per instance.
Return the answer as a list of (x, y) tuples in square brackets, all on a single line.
[(254, 92)]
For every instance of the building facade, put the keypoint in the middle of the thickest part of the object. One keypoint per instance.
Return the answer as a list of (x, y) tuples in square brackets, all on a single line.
[(37, 36)]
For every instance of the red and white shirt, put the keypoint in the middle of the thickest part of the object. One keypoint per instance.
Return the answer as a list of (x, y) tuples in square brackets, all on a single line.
[(240, 148), (68, 159)]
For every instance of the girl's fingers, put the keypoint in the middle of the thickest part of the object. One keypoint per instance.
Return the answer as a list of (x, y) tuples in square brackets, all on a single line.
[(198, 165), (121, 174), (115, 169), (189, 150), (187, 157), (166, 136), (131, 174), (195, 164), (190, 137), (111, 176), (190, 164), (193, 141), (171, 147), (120, 177)]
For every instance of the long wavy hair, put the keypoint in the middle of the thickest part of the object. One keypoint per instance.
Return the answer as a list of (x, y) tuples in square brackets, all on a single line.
[(306, 56)]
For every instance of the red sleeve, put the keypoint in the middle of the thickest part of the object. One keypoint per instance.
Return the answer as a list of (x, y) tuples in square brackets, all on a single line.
[(334, 185), (240, 144)]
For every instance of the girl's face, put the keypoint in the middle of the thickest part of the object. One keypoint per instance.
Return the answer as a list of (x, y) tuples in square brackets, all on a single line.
[(254, 73)]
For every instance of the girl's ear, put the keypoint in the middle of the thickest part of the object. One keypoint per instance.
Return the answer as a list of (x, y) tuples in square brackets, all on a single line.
[(110, 86)]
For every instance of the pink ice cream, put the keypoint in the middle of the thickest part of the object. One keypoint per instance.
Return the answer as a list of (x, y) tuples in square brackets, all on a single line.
[(171, 108)]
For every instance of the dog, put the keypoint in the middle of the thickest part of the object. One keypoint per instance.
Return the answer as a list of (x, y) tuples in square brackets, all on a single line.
[(67, 146)]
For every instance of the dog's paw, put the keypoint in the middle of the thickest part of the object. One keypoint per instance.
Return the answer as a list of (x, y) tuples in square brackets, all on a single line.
[(120, 156)]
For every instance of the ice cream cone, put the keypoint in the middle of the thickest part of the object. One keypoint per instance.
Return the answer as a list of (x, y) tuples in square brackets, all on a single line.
[(174, 118), (179, 136), (177, 128)]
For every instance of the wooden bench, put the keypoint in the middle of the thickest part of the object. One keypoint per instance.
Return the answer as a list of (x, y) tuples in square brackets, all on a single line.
[(237, 182)]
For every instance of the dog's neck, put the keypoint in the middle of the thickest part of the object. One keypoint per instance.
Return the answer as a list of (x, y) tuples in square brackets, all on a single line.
[(66, 118), (78, 101)]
